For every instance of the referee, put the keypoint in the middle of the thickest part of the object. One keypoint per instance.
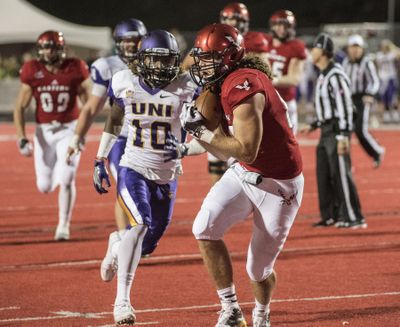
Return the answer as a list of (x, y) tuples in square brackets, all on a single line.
[(337, 192), (364, 88)]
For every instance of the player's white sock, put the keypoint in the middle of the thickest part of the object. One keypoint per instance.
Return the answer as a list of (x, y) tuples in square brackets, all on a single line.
[(228, 296), (66, 202), (122, 233), (129, 254), (115, 247), (261, 308)]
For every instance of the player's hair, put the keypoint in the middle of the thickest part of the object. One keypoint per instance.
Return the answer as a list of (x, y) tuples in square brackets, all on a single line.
[(134, 64), (255, 62)]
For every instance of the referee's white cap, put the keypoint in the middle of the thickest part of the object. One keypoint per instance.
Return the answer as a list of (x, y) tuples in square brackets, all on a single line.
[(355, 39)]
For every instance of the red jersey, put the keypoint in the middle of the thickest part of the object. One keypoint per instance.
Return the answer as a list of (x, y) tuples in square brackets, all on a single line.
[(279, 58), (55, 94), (255, 42), (279, 154)]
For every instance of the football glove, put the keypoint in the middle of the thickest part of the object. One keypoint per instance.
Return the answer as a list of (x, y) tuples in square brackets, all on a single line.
[(175, 149), (193, 122), (100, 174), (25, 147), (75, 146)]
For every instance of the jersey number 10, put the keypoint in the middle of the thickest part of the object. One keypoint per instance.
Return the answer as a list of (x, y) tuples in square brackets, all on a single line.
[(154, 141)]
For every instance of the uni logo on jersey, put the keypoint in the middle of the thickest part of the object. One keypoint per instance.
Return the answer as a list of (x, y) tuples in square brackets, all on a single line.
[(152, 109)]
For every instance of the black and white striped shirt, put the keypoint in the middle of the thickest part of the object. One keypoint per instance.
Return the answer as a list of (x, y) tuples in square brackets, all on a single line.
[(333, 97), (363, 76)]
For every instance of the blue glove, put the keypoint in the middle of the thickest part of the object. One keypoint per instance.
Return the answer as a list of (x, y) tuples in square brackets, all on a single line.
[(175, 149), (100, 173), (193, 122)]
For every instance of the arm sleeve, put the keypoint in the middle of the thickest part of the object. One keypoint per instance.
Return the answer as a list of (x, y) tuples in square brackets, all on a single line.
[(342, 102), (243, 87), (372, 78)]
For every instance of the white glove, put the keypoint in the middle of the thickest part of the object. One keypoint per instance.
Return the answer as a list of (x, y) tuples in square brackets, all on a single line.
[(76, 145), (25, 147), (185, 109)]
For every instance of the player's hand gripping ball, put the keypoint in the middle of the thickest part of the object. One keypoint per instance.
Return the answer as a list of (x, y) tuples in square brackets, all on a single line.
[(208, 105)]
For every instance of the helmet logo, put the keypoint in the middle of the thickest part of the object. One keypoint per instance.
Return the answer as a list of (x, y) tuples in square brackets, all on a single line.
[(233, 41)]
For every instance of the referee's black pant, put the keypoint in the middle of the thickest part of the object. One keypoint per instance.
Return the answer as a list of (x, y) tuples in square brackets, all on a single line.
[(337, 193), (367, 141)]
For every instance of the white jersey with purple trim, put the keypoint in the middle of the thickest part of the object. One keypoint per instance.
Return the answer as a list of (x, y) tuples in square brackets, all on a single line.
[(101, 72), (386, 63), (151, 115)]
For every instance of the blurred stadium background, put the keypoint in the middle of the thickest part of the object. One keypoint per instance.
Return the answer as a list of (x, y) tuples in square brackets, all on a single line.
[(88, 27)]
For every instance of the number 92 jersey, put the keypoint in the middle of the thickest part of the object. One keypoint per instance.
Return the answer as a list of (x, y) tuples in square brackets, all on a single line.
[(151, 115), (55, 94)]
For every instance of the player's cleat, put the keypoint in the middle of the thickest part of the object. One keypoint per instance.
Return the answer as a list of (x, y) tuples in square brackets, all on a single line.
[(324, 223), (353, 224), (62, 232), (358, 224), (109, 265), (231, 317), (261, 319), (378, 161), (124, 314)]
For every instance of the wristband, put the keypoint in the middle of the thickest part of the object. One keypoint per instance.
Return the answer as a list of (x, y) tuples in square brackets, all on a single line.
[(106, 143), (205, 135), (194, 148)]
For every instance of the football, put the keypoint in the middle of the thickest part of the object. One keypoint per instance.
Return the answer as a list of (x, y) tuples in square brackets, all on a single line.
[(208, 104)]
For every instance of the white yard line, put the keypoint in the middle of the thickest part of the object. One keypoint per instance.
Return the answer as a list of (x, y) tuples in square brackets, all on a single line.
[(99, 315), (194, 256)]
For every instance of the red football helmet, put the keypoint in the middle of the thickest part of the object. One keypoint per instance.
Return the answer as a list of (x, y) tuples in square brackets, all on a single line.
[(218, 48), (51, 40), (285, 17), (238, 11)]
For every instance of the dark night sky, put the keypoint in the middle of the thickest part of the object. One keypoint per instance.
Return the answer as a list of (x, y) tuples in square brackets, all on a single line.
[(192, 15)]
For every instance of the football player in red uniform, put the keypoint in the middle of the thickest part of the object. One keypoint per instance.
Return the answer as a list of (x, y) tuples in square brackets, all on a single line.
[(55, 82), (266, 180), (286, 56), (237, 15)]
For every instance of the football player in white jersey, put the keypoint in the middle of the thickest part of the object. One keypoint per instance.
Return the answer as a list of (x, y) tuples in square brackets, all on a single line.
[(127, 35), (387, 70), (149, 96)]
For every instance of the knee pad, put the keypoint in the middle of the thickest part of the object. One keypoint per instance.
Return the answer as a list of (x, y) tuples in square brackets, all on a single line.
[(67, 177), (258, 272), (261, 264), (202, 228), (217, 167), (44, 186)]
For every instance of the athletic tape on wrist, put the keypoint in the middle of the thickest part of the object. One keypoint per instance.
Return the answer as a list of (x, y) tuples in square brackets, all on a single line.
[(194, 147), (106, 143), (206, 136)]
